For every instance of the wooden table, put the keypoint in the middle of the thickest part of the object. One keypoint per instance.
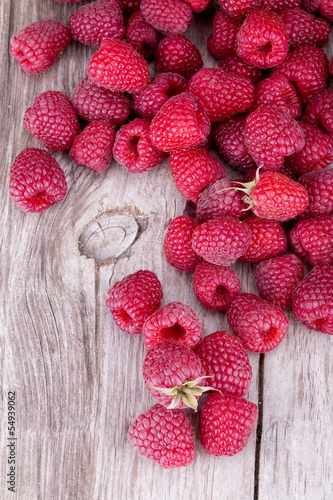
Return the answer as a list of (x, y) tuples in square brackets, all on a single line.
[(77, 378)]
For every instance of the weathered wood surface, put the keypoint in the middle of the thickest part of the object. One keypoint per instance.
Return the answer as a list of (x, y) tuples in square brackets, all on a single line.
[(77, 378)]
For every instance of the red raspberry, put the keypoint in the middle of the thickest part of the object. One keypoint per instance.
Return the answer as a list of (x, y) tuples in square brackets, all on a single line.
[(319, 111), (170, 17), (134, 149), (276, 279), (177, 245), (319, 186), (214, 286), (313, 299), (149, 101), (174, 322), (278, 91), (270, 135), (262, 39), (129, 6), (164, 436), (52, 120), (304, 28), (93, 146), (279, 5), (259, 324), (93, 102), (221, 241), (310, 5), (223, 41), (133, 299), (226, 424), (222, 94), (142, 36), (97, 20), (198, 5), (326, 9), (234, 64), (36, 180), (177, 54), (118, 66), (180, 123), (37, 46), (193, 169), (237, 8), (312, 241)]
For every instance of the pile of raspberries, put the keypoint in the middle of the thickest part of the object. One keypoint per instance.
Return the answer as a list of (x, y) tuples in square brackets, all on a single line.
[(267, 110)]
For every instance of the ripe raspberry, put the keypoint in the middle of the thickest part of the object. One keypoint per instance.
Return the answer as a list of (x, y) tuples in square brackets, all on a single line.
[(198, 5), (221, 241), (170, 17), (262, 39), (214, 286), (226, 424), (193, 169), (142, 36), (174, 322), (234, 64), (223, 41), (118, 66), (97, 20), (129, 6), (238, 8), (36, 180), (93, 102), (319, 186), (177, 244), (278, 91), (37, 46), (52, 120), (259, 324), (222, 94), (326, 9), (177, 54), (312, 240), (93, 146), (276, 279), (304, 28), (310, 5), (164, 436), (319, 111), (134, 149), (133, 299), (313, 299), (279, 5), (180, 123)]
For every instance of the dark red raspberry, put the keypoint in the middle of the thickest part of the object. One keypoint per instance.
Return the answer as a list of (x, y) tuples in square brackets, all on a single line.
[(134, 149), (238, 8), (234, 64), (52, 120), (312, 240), (37, 46), (129, 6), (193, 169), (223, 41), (278, 91), (163, 435), (214, 286), (319, 111), (142, 36), (222, 94), (36, 180), (319, 186), (259, 324), (276, 279), (93, 146), (133, 299), (177, 54), (178, 244), (310, 5), (170, 17), (279, 5), (304, 28), (326, 9)]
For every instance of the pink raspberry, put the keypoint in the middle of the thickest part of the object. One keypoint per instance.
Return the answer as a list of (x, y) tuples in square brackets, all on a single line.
[(234, 64), (198, 5), (223, 41), (214, 286), (133, 299), (52, 120), (134, 149), (278, 91), (142, 36), (37, 46), (238, 8), (129, 6), (177, 54), (193, 169), (170, 17), (93, 146), (319, 111), (177, 244), (36, 180), (319, 186), (276, 279), (304, 28), (279, 5), (312, 241)]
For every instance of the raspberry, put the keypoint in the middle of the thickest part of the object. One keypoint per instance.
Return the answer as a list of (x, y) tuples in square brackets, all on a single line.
[(177, 245), (237, 8), (149, 101), (223, 41), (177, 54), (222, 94), (36, 180), (221, 241), (193, 169), (259, 324), (278, 91), (180, 123), (262, 39), (304, 28), (234, 64), (226, 424), (319, 111), (174, 322), (170, 17), (312, 241), (133, 299), (52, 120), (37, 46), (164, 436), (93, 102), (129, 6), (93, 146), (279, 5), (319, 186), (276, 279), (142, 36), (118, 66), (134, 149), (214, 286), (97, 20), (198, 5), (313, 299), (326, 9)]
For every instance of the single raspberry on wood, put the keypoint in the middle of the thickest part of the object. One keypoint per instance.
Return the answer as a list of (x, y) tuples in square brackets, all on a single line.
[(279, 92), (312, 240), (223, 41), (177, 244), (170, 17), (142, 36), (234, 64), (304, 28), (177, 54), (319, 186)]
